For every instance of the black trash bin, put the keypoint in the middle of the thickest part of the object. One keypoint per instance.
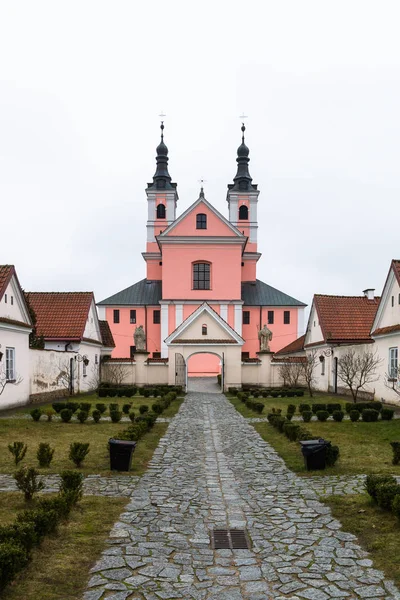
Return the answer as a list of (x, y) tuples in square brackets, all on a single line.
[(314, 452), (121, 454)]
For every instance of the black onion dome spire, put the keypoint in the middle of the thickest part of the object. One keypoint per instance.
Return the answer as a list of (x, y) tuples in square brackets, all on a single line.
[(242, 179), (161, 178)]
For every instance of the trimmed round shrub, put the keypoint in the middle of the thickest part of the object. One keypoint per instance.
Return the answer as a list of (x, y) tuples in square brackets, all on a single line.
[(82, 416), (146, 393), (338, 415), (256, 394), (116, 416), (396, 506), (306, 414), (385, 494), (44, 454), (66, 415), (303, 407), (331, 455), (291, 431), (387, 414), (73, 406), (157, 408), (126, 408), (132, 416), (143, 408), (289, 416), (291, 408), (113, 406), (72, 483), (96, 414), (372, 482), (317, 406), (101, 407), (49, 412), (36, 413), (322, 415), (332, 406), (396, 452), (354, 415), (369, 415), (13, 558), (85, 406), (58, 406)]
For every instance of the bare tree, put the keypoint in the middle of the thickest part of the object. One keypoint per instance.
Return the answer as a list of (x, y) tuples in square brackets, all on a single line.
[(114, 372), (358, 369), (290, 372), (308, 370), (66, 373), (392, 381), (4, 381)]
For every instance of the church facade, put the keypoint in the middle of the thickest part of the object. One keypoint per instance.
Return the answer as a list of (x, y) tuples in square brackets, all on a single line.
[(201, 307)]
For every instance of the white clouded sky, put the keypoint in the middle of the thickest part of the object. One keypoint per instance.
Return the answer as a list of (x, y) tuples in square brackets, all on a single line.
[(81, 87)]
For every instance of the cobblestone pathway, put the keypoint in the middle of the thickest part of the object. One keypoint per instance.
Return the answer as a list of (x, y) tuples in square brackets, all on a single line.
[(211, 470)]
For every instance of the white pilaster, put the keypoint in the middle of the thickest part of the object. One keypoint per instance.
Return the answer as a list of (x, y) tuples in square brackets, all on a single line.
[(238, 318), (178, 314), (164, 330), (233, 209), (253, 220), (223, 311)]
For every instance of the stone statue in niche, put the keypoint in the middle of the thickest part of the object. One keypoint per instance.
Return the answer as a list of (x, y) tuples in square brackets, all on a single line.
[(265, 336), (140, 338)]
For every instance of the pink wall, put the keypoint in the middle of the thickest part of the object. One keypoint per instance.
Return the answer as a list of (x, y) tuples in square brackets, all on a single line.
[(124, 330), (171, 318), (225, 271), (249, 270), (154, 270), (203, 365), (214, 224), (282, 334)]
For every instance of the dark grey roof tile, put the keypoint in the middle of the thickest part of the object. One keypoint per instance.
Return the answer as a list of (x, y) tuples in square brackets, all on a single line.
[(259, 293), (144, 292)]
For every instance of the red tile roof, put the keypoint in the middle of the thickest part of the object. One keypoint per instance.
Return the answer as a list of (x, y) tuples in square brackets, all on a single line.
[(106, 335), (61, 315), (346, 318), (389, 329), (6, 272), (289, 359), (296, 346)]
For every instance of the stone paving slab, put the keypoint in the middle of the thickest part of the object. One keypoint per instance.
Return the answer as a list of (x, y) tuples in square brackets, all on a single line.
[(213, 470), (93, 485)]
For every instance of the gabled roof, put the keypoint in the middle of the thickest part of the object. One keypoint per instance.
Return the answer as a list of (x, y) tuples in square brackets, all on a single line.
[(144, 292), (61, 315), (106, 335), (345, 318), (296, 346), (393, 274), (6, 272), (201, 200), (234, 337), (258, 293)]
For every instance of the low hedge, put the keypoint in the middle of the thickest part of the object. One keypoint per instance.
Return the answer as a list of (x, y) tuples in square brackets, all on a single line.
[(317, 407), (369, 415), (258, 407), (360, 406), (30, 527)]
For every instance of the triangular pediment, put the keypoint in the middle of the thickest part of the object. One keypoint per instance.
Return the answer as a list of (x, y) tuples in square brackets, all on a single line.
[(217, 224), (191, 331), (388, 313)]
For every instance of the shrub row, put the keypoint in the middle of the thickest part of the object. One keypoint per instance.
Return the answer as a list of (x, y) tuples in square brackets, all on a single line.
[(31, 526), (267, 392), (295, 433), (106, 390), (385, 491), (360, 406), (45, 453)]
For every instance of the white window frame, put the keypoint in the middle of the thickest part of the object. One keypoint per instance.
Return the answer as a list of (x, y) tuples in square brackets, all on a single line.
[(10, 364), (393, 363)]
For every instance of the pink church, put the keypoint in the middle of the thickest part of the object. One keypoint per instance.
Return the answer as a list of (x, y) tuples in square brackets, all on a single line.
[(201, 305)]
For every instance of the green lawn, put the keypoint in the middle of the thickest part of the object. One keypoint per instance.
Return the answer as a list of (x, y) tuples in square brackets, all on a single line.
[(60, 435), (378, 532), (59, 567), (364, 447)]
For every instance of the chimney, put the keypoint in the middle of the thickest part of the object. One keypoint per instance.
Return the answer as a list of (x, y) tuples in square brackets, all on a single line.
[(369, 293)]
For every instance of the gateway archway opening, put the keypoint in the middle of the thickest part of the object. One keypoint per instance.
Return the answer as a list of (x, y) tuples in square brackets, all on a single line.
[(205, 372)]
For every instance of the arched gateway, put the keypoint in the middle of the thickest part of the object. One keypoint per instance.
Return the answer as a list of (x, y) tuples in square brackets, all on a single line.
[(204, 333)]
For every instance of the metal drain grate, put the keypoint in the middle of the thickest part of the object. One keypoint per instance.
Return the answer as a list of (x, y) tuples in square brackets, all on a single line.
[(232, 539)]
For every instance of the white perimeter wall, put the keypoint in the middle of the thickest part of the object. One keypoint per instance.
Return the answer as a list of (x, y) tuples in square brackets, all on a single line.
[(15, 395)]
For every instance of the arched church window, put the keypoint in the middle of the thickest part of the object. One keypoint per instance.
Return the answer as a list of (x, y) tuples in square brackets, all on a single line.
[(201, 276), (201, 221), (204, 329), (161, 211), (243, 213)]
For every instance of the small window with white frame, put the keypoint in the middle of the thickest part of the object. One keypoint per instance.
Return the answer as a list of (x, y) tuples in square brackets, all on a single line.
[(10, 364), (393, 363), (96, 359), (322, 366)]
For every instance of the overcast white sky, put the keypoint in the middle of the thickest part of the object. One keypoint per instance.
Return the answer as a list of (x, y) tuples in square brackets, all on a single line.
[(81, 87)]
